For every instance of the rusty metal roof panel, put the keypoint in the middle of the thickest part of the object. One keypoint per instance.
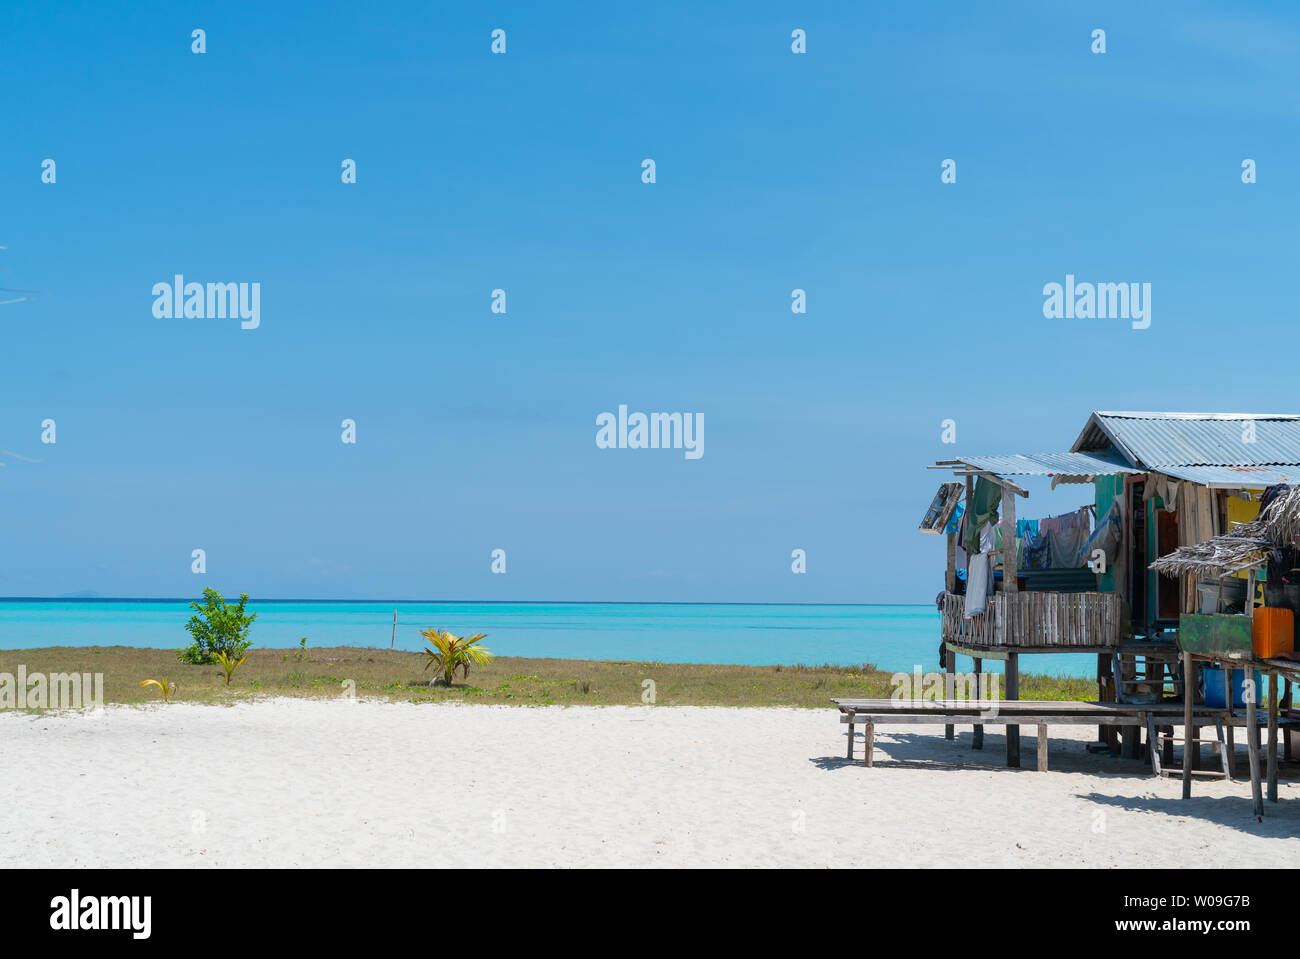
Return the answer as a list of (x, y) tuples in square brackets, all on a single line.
[(1235, 477)]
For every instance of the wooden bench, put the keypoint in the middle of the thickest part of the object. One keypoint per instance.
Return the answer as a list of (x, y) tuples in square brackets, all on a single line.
[(1024, 712)]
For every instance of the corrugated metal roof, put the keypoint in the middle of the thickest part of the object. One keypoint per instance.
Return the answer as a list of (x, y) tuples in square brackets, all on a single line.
[(1049, 464), (1158, 440), (1235, 477)]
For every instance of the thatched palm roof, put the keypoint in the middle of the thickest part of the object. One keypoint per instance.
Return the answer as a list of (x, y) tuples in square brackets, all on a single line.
[(1244, 546)]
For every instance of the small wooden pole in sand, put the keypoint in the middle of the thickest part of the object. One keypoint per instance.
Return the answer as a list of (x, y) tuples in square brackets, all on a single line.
[(393, 642)]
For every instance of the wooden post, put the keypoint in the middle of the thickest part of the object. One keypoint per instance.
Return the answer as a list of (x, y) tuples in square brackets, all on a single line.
[(1223, 751), (1250, 594), (1106, 694), (1272, 737), (1153, 739), (1009, 588), (949, 662), (950, 657), (970, 516), (1188, 692), (950, 575), (1042, 747), (1252, 747), (1129, 746), (978, 729), (1009, 585), (869, 737), (1013, 693), (1231, 745), (393, 642), (850, 724)]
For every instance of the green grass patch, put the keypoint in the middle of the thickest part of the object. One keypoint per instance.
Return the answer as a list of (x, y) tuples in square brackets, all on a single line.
[(326, 673)]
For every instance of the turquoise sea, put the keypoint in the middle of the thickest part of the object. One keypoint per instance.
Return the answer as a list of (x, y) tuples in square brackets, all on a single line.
[(894, 638)]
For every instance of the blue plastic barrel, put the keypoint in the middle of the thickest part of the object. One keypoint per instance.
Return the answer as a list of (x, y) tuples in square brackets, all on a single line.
[(1213, 685)]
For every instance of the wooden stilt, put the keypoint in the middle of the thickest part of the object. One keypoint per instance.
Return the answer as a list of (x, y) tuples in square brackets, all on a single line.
[(869, 734), (1042, 748), (1106, 691), (1252, 747), (1153, 741), (1010, 587), (1227, 702), (949, 667), (850, 752), (978, 737), (1189, 688), (1013, 692), (1272, 737)]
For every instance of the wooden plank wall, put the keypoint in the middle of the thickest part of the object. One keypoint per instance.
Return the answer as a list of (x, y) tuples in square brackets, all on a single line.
[(1200, 516)]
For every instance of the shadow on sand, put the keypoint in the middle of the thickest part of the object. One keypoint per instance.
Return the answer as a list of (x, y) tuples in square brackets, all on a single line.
[(904, 750)]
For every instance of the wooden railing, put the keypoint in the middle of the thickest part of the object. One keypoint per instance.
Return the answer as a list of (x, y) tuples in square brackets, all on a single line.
[(1035, 620)]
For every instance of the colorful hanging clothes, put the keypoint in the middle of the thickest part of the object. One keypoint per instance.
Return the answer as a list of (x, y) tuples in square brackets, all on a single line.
[(1038, 551), (985, 501), (1106, 537), (1066, 536), (979, 584)]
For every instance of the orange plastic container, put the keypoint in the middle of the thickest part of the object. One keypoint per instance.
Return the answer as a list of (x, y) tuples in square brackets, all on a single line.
[(1272, 632)]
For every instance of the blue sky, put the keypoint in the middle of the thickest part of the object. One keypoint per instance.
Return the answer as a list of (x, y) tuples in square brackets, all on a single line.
[(522, 171)]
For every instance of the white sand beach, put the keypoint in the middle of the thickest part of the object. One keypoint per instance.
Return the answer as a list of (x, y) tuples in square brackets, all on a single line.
[(291, 782)]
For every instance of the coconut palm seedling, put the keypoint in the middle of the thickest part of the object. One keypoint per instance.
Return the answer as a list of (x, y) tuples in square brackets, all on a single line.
[(229, 663), (451, 653), (164, 686)]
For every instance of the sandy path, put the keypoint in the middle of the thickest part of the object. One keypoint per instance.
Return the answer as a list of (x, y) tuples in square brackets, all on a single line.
[(293, 782)]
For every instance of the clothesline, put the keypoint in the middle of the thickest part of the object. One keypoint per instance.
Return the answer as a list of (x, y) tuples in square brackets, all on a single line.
[(1090, 507)]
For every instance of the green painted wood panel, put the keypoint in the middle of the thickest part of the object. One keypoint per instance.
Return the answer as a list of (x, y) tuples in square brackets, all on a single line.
[(1106, 489), (1227, 635)]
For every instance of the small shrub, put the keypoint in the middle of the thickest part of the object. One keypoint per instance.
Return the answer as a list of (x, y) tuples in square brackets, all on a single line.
[(217, 627)]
